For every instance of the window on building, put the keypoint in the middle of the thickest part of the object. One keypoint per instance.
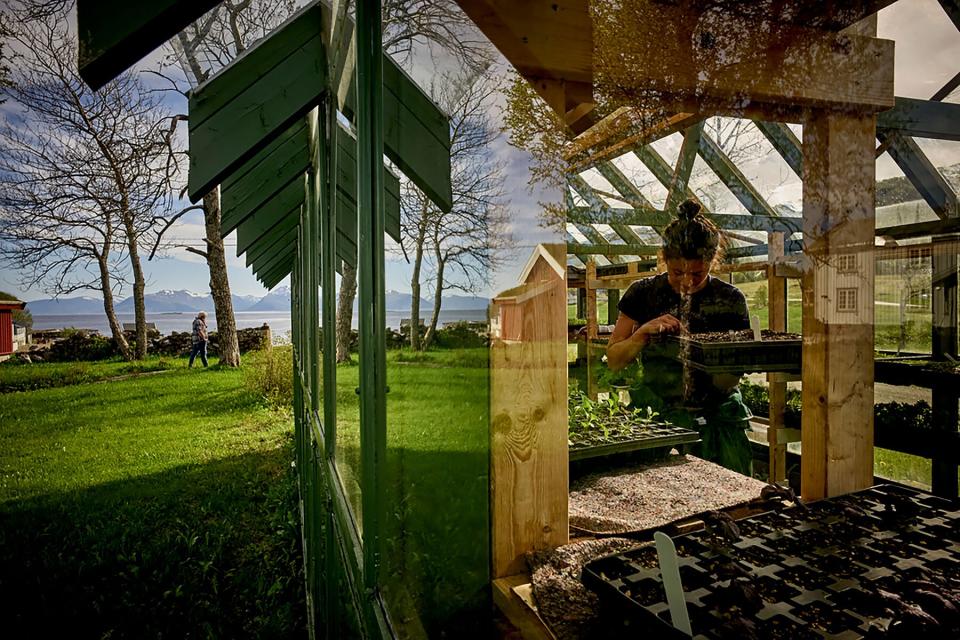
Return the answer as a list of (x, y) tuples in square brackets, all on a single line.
[(846, 299), (847, 263), (918, 256)]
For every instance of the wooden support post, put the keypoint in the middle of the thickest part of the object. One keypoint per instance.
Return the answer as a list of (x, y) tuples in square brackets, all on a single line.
[(776, 321), (592, 330), (945, 396), (945, 416), (838, 304), (944, 260), (613, 299), (528, 410), (593, 359), (582, 303), (661, 263)]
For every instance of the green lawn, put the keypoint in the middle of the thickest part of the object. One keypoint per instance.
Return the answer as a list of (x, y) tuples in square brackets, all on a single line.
[(437, 474), (15, 376), (155, 506)]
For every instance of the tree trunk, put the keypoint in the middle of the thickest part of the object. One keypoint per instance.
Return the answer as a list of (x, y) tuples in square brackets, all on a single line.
[(437, 301), (415, 341), (116, 329), (902, 341), (348, 291), (139, 307), (219, 283)]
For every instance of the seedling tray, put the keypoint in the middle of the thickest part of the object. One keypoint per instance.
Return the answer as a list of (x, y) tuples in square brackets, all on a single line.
[(824, 573), (663, 436), (776, 352)]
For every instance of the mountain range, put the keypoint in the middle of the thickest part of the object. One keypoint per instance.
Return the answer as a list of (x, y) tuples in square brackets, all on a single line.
[(167, 301)]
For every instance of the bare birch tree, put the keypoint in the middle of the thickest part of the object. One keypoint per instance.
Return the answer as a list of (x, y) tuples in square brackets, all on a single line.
[(202, 49), (457, 249), (83, 174), (439, 28)]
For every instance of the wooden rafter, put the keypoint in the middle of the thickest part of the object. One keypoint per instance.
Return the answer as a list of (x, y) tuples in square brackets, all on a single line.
[(627, 190), (680, 179), (661, 170), (732, 177), (792, 66), (921, 173), (655, 131), (657, 218), (785, 143)]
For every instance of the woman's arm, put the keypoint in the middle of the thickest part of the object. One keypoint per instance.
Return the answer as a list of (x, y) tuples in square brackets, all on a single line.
[(628, 340)]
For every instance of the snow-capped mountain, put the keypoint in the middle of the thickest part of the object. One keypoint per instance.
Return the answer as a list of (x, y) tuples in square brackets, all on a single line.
[(66, 306), (168, 301), (276, 300), (243, 303)]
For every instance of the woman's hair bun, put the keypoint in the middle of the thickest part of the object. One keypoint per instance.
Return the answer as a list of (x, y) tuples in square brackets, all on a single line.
[(688, 210)]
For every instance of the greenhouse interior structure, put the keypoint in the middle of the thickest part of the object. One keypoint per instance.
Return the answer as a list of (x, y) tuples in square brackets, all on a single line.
[(519, 488)]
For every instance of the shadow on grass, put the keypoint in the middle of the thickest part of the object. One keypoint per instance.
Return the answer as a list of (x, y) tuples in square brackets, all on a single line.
[(437, 537), (209, 550)]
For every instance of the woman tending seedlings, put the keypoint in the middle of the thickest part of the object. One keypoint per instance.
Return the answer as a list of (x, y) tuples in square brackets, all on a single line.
[(686, 299)]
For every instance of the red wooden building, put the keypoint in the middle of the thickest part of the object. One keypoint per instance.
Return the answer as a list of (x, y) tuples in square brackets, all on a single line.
[(7, 307)]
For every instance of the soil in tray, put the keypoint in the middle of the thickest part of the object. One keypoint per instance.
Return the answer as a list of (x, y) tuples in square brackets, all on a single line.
[(822, 616), (810, 577), (740, 336), (805, 577), (781, 627), (773, 590), (866, 605), (647, 592)]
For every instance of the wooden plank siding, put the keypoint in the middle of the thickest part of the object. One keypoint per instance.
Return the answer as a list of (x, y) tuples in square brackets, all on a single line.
[(254, 99), (528, 450), (264, 224), (262, 177)]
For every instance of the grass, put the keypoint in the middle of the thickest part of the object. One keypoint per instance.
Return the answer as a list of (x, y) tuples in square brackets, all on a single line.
[(15, 376), (437, 475), (153, 506)]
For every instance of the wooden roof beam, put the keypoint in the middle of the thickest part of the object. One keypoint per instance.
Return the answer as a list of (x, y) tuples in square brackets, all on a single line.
[(923, 119), (952, 9), (642, 54), (920, 229), (656, 218), (115, 34), (627, 190)]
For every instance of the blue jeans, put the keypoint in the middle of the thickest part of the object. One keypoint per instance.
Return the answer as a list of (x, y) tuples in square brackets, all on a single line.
[(199, 349)]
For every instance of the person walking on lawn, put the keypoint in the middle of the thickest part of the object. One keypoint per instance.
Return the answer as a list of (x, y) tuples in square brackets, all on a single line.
[(199, 339)]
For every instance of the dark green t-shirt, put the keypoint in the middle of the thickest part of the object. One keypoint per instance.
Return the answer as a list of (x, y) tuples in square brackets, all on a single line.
[(717, 307)]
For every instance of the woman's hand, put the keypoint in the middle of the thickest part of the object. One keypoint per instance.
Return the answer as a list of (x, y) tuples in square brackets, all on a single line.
[(664, 324)]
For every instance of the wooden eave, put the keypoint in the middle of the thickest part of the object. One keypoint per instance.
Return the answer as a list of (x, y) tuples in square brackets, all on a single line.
[(551, 44)]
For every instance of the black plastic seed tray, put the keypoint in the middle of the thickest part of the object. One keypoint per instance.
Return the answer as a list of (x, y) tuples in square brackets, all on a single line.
[(850, 567), (740, 355), (663, 436)]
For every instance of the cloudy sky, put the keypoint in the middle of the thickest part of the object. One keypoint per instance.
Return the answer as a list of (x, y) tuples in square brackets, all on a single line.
[(928, 48)]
